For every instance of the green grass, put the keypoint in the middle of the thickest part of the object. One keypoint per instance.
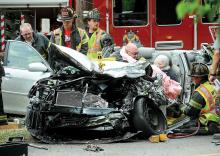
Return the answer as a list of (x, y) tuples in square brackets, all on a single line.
[(5, 134)]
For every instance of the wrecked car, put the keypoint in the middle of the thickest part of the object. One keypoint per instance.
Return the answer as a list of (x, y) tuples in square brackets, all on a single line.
[(71, 93), (83, 97), (102, 96)]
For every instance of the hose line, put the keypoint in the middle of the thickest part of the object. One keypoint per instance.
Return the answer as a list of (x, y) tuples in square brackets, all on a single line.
[(183, 135)]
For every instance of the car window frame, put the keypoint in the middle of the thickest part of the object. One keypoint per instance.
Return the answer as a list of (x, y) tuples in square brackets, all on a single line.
[(5, 62)]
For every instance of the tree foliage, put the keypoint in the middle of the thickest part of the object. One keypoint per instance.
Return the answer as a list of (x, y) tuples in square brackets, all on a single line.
[(200, 8)]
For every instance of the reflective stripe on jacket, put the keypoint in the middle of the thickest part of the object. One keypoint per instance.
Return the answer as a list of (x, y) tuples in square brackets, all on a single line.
[(94, 43), (207, 91), (79, 39)]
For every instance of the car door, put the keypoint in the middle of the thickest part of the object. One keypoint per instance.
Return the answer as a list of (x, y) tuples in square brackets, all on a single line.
[(18, 77), (187, 86)]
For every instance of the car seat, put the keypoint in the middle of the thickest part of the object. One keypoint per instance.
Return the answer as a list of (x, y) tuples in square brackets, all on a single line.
[(173, 63), (146, 53)]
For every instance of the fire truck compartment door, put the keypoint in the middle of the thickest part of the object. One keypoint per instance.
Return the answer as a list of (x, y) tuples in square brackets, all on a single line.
[(33, 3)]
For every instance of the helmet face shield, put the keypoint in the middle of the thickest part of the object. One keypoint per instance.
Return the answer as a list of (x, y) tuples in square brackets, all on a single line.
[(199, 70)]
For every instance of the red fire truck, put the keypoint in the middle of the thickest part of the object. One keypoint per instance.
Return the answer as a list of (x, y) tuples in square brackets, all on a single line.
[(154, 21)]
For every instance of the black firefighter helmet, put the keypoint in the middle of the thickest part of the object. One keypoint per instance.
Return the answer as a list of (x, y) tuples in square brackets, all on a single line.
[(199, 70), (66, 14), (94, 14)]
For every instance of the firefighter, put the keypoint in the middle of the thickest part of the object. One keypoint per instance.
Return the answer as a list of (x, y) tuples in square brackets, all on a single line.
[(97, 36), (204, 104), (131, 37), (69, 34)]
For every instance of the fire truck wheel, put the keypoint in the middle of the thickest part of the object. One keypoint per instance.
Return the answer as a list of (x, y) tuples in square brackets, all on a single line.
[(148, 118)]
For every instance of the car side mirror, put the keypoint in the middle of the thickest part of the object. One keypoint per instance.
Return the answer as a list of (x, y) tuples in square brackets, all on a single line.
[(37, 67)]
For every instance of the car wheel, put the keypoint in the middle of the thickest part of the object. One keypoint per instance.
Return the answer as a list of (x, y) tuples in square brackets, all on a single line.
[(148, 118), (32, 122)]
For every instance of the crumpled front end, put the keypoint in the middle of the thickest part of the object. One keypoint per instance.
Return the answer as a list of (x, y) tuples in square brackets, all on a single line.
[(65, 113), (62, 121)]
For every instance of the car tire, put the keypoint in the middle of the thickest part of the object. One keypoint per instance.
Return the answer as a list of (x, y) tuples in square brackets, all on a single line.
[(148, 118), (32, 122)]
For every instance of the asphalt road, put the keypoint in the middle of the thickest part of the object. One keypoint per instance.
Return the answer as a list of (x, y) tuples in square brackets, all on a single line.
[(193, 146)]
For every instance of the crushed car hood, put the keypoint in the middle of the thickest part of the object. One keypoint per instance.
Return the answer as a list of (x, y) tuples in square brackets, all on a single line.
[(111, 68), (76, 58), (120, 69)]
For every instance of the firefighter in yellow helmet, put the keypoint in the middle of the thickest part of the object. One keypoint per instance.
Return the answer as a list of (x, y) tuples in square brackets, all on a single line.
[(204, 104), (96, 35), (69, 34)]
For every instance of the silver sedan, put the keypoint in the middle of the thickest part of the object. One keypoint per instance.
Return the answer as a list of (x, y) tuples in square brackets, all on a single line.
[(23, 66)]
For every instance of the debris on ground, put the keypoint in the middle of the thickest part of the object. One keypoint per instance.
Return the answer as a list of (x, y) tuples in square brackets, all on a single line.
[(93, 148)]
